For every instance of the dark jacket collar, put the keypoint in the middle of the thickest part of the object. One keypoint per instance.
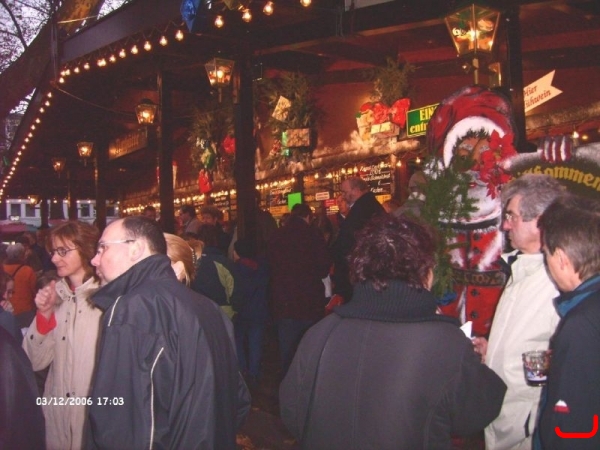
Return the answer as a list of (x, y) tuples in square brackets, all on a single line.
[(398, 303), (153, 267)]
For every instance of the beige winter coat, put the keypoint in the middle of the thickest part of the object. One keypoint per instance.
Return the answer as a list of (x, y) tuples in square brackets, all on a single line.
[(70, 351)]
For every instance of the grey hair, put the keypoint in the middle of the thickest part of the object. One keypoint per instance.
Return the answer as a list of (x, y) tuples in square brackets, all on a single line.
[(537, 192), (358, 183), (15, 253)]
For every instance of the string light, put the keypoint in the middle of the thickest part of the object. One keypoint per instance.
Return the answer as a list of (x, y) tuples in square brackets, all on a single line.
[(134, 50), (179, 35), (246, 15), (268, 8), (219, 22), (122, 53), (147, 46), (163, 41), (305, 3)]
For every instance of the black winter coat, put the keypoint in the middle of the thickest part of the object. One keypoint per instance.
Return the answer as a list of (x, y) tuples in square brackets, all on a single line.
[(363, 210), (571, 398), (385, 372), (167, 364)]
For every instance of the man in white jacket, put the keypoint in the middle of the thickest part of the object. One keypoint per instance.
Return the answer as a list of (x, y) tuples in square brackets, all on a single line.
[(525, 317)]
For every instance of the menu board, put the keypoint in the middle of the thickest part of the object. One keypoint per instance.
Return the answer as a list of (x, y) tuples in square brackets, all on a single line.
[(277, 200), (318, 189), (224, 202), (378, 176)]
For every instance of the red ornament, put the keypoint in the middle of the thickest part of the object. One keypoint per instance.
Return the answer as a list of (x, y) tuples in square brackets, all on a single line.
[(204, 182), (229, 145), (381, 113), (398, 111)]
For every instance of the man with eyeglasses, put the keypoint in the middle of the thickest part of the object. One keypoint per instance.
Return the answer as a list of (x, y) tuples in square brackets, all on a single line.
[(167, 373), (525, 318)]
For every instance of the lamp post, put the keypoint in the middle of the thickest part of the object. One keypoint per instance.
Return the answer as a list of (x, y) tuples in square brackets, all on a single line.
[(219, 71), (473, 30)]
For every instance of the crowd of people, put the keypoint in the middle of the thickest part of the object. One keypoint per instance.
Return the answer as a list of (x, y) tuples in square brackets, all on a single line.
[(136, 338)]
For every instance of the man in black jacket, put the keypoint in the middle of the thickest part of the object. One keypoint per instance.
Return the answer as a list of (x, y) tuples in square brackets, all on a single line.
[(167, 373), (363, 207), (570, 229)]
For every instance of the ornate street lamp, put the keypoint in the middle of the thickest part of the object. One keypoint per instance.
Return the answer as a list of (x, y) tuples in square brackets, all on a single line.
[(473, 30), (58, 164), (85, 149), (146, 111), (219, 71)]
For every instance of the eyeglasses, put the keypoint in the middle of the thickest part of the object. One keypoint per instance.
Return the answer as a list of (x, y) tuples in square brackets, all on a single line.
[(62, 251), (103, 245), (511, 217)]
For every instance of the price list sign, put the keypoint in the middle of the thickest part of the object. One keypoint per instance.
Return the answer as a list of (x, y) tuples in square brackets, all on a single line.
[(378, 176)]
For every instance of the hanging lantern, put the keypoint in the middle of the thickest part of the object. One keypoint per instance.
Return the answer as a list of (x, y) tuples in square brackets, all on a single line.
[(473, 29), (85, 149), (219, 71), (146, 111), (58, 164)]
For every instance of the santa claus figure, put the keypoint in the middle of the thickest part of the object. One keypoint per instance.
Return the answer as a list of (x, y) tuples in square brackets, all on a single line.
[(472, 132)]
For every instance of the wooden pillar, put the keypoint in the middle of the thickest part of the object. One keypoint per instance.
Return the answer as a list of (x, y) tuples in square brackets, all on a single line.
[(100, 167), (72, 196), (164, 152), (245, 149), (44, 212), (515, 73)]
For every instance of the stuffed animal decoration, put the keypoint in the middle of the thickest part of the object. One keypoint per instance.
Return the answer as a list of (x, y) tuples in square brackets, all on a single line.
[(472, 131)]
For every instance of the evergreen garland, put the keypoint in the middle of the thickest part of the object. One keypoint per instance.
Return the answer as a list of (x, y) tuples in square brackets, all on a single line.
[(392, 82), (210, 126), (446, 202)]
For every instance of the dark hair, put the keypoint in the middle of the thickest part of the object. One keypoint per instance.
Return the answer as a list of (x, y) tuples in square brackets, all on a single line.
[(393, 248), (45, 279), (207, 233), (188, 209), (83, 236), (150, 208), (212, 211), (142, 227), (24, 240), (4, 279), (572, 223), (301, 210)]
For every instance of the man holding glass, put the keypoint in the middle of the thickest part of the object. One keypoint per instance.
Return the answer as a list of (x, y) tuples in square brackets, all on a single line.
[(525, 318)]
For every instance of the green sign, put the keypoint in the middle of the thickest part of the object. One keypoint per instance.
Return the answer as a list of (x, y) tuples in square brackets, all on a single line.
[(417, 119)]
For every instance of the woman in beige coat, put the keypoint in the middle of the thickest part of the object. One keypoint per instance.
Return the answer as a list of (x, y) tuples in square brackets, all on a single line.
[(64, 335)]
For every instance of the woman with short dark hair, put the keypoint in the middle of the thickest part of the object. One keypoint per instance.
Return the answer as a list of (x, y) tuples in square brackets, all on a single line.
[(385, 371)]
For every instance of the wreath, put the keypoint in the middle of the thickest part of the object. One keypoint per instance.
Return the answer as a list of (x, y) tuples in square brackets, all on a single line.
[(294, 117), (385, 116), (212, 140)]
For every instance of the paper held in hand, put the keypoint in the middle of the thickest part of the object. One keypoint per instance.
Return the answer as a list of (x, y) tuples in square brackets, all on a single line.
[(467, 328)]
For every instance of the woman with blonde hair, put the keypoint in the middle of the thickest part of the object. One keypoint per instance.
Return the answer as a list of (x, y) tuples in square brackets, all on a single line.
[(64, 334), (183, 255)]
